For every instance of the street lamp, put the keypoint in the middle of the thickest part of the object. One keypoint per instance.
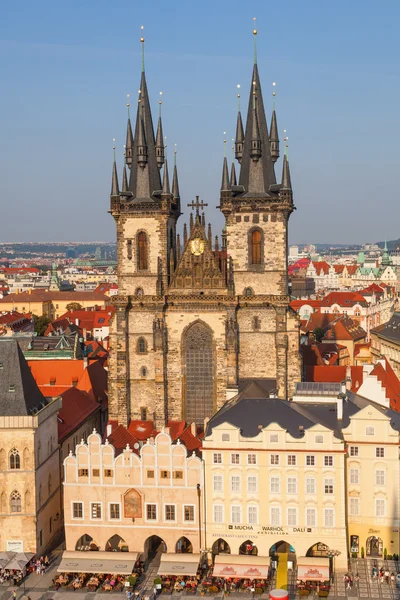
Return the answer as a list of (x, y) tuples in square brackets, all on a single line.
[(332, 554)]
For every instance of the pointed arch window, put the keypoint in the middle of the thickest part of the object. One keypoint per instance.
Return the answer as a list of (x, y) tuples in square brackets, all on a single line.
[(15, 502), (255, 250), (141, 346), (142, 250), (15, 460)]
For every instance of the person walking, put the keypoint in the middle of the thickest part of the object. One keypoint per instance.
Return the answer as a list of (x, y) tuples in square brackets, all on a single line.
[(356, 580)]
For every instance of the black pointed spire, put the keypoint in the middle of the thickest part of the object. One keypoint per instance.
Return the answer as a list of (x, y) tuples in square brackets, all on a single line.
[(160, 139), (286, 180), (175, 183), (165, 187), (185, 235), (209, 235), (124, 180), (191, 222), (178, 248), (257, 169), (114, 181), (129, 139), (274, 138), (145, 178), (239, 140), (225, 185), (233, 175)]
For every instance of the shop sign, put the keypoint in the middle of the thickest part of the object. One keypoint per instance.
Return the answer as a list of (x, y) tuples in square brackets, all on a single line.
[(265, 529), (14, 545)]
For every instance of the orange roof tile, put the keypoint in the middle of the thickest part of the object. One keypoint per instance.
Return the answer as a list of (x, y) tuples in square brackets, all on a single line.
[(77, 406), (335, 374)]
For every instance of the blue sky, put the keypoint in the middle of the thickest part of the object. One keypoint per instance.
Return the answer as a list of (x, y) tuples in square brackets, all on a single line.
[(66, 67)]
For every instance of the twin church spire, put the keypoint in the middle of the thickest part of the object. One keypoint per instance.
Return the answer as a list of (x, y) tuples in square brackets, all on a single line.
[(255, 148)]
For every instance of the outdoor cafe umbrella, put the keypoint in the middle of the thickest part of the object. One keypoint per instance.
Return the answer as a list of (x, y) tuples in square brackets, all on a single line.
[(19, 561), (5, 558)]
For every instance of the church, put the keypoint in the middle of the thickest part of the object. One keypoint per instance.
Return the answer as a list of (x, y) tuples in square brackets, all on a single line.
[(197, 316)]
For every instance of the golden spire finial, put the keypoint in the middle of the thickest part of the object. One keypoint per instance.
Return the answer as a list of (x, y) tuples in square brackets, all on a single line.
[(224, 143), (114, 149), (255, 40), (238, 96), (128, 104), (142, 30), (142, 41)]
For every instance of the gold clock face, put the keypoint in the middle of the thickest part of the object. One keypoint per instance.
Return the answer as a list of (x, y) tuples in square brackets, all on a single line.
[(197, 246)]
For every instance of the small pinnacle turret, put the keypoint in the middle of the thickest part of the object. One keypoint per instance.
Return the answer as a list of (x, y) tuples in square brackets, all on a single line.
[(225, 185), (129, 143), (239, 140), (286, 181), (160, 142), (233, 175), (274, 138), (124, 180), (165, 187), (175, 182), (114, 181)]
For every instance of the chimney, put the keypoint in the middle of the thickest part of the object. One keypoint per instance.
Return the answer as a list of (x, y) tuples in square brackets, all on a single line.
[(193, 429), (339, 404), (84, 333), (349, 383), (77, 322), (109, 429)]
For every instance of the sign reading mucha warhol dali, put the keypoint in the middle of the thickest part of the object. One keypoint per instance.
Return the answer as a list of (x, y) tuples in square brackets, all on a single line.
[(132, 504)]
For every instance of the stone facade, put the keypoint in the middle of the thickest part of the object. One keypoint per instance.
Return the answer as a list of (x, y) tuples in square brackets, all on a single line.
[(194, 318), (32, 520)]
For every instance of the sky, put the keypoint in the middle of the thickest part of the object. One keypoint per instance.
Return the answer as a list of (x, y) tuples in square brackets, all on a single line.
[(66, 68)]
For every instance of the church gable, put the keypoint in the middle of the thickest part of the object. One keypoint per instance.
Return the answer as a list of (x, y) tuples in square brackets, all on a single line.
[(201, 266)]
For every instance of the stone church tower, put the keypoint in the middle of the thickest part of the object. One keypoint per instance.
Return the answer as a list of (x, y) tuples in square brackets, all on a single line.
[(195, 320)]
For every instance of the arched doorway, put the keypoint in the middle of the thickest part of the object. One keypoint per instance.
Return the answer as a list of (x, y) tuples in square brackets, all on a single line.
[(374, 546), (220, 546), (318, 549), (197, 343), (154, 545), (184, 545), (248, 547), (282, 550), (86, 543), (116, 544)]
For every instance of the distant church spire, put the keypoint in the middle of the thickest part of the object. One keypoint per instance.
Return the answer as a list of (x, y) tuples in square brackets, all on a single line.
[(124, 180), (165, 187), (129, 137), (225, 185)]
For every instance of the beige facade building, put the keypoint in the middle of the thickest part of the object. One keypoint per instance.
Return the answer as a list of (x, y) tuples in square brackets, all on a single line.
[(196, 317), (29, 458), (133, 501)]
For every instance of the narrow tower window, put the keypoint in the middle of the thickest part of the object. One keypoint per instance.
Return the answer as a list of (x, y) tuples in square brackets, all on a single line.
[(141, 346), (129, 249), (255, 247), (142, 251)]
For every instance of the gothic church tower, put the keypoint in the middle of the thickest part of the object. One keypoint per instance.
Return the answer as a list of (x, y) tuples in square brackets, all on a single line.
[(196, 320)]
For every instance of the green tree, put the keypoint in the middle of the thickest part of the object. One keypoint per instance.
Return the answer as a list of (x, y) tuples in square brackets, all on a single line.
[(74, 306), (40, 323)]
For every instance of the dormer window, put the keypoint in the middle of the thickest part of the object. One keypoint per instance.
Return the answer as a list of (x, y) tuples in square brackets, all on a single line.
[(11, 388)]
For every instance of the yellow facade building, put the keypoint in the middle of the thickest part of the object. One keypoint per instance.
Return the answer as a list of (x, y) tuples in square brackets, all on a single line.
[(51, 304)]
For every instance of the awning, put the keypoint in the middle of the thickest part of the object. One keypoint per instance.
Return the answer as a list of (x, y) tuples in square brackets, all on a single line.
[(5, 558), (19, 561), (246, 566), (179, 564), (113, 563), (313, 568)]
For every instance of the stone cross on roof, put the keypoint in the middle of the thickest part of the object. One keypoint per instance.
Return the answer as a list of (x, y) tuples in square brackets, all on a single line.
[(197, 204)]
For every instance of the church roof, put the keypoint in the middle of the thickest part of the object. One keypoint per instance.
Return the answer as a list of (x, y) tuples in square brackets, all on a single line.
[(19, 393)]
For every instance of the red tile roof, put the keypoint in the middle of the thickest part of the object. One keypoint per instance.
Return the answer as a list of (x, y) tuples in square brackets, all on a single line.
[(89, 319), (142, 430), (296, 304), (63, 372), (21, 270), (345, 329), (321, 265), (335, 374), (344, 299), (77, 406), (120, 437)]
